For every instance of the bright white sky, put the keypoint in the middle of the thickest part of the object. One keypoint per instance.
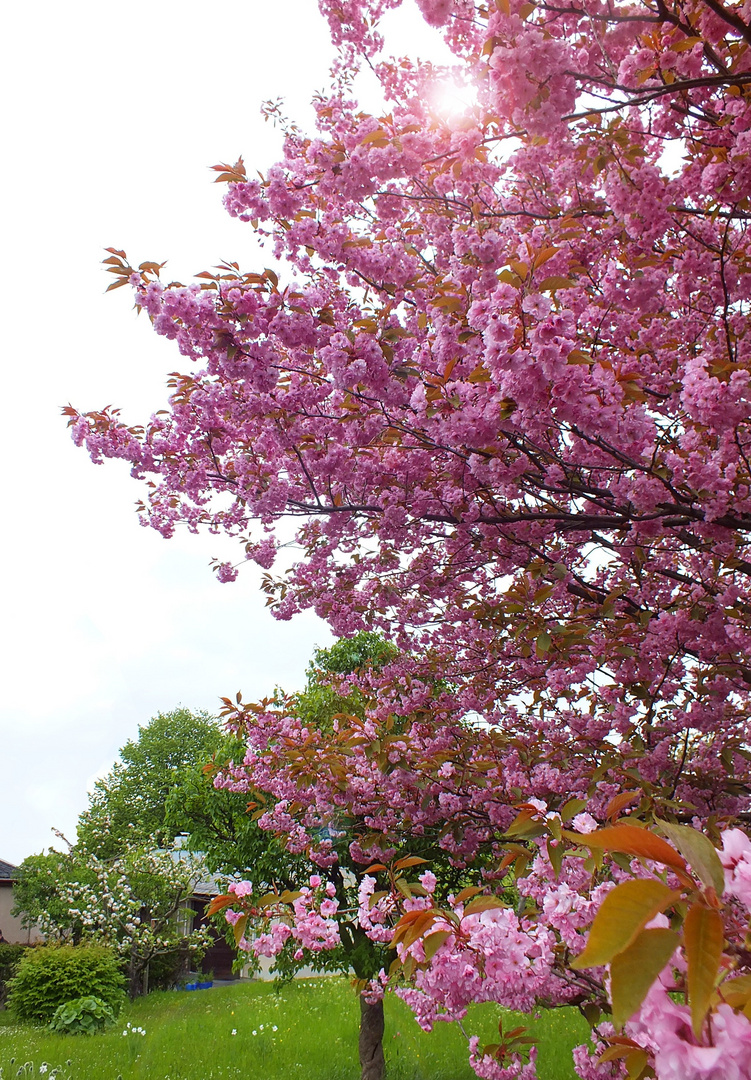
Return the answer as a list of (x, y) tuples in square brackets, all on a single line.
[(113, 114)]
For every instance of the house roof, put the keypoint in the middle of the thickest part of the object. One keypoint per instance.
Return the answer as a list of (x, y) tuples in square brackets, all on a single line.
[(7, 871), (205, 884)]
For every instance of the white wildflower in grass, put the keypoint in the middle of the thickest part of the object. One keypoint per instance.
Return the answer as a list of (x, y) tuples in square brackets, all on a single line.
[(254, 1031), (275, 1028), (234, 1031)]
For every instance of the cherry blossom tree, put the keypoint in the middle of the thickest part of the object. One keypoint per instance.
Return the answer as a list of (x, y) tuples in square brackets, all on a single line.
[(309, 912), (669, 914), (501, 378)]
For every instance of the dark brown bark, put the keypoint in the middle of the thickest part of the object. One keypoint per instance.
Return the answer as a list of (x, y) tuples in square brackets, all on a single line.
[(135, 977), (138, 976), (372, 1062)]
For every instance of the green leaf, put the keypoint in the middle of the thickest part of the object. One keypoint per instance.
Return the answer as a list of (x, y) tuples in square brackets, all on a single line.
[(591, 1013), (633, 971), (635, 1063), (510, 278), (737, 992), (572, 808), (289, 896), (239, 929), (526, 825), (550, 284), (699, 852), (403, 888), (483, 903), (555, 854), (432, 943), (623, 914), (542, 644), (704, 939), (410, 860)]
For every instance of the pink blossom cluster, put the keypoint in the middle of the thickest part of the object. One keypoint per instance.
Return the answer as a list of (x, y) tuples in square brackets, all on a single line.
[(310, 920), (488, 1068), (736, 859), (492, 955), (376, 919), (664, 1027), (449, 381), (587, 1057), (567, 901)]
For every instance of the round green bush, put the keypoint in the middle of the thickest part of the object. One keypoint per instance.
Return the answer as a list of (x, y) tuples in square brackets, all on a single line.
[(82, 1016), (53, 975)]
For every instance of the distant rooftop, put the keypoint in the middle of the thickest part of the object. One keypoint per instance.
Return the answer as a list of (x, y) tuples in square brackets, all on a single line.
[(7, 870)]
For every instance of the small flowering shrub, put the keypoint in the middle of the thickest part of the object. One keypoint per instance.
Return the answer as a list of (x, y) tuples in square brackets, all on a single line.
[(53, 975), (133, 1034), (82, 1016)]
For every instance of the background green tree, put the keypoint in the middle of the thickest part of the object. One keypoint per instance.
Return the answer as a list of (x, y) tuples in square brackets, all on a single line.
[(118, 883), (127, 806)]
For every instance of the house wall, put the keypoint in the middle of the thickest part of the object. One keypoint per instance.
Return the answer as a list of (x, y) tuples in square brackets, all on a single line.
[(10, 924)]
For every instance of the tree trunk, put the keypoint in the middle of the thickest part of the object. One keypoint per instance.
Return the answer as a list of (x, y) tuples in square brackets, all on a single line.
[(372, 1063), (135, 983), (138, 976)]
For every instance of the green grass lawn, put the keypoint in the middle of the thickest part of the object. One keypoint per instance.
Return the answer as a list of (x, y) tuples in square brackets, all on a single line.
[(307, 1029)]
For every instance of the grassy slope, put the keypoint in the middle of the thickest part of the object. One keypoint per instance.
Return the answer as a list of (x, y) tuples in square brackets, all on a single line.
[(189, 1037)]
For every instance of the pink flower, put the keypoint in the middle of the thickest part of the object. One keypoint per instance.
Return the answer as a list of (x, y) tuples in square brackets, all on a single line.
[(226, 572), (428, 881), (240, 888), (664, 1027), (584, 823), (736, 858)]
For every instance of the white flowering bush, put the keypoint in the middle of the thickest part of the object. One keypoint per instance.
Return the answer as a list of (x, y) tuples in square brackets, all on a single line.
[(134, 904)]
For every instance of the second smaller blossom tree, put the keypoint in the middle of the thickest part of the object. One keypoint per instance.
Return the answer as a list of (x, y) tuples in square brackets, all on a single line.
[(613, 901), (334, 919), (135, 902)]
